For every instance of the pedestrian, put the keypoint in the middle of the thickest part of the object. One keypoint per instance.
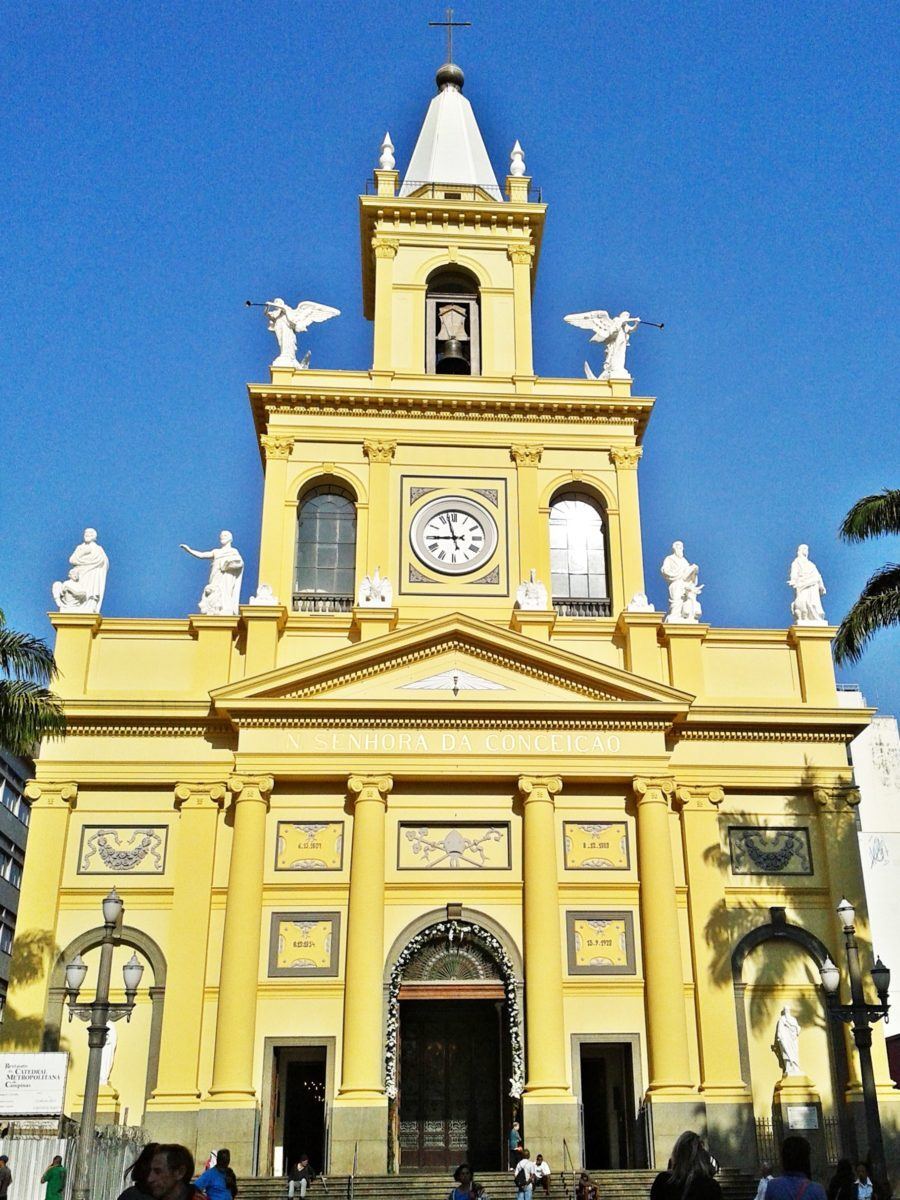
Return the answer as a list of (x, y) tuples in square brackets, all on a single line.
[(586, 1189), (5, 1176), (300, 1177), (864, 1187), (214, 1180), (795, 1181), (542, 1174), (478, 1192), (463, 1189), (137, 1173), (169, 1176), (514, 1141), (55, 1179), (524, 1177), (842, 1185), (690, 1173), (765, 1174)]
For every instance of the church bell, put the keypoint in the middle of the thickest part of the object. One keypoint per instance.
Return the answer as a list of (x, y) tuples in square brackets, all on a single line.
[(452, 357)]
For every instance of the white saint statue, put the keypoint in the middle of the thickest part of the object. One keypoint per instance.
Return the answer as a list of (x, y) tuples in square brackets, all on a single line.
[(639, 602), (375, 591), (613, 332), (531, 593), (286, 322), (787, 1042), (83, 590), (108, 1053), (808, 586), (222, 595), (681, 576)]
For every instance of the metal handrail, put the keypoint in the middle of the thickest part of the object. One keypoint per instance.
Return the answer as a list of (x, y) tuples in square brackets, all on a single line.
[(567, 1155), (353, 1169)]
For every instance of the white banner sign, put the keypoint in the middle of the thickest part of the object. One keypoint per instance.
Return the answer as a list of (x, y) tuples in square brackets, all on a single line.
[(32, 1085)]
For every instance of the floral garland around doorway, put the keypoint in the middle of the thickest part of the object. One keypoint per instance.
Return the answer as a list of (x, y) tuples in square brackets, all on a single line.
[(454, 930)]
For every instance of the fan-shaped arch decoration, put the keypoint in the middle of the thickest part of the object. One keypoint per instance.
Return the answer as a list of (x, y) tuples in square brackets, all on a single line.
[(454, 950)]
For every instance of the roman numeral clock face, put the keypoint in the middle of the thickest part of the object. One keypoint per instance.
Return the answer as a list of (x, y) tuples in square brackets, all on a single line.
[(453, 535)]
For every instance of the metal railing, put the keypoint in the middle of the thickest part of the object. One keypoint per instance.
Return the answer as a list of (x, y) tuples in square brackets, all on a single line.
[(353, 1169), (591, 607), (311, 602), (834, 1141), (427, 189), (571, 1189)]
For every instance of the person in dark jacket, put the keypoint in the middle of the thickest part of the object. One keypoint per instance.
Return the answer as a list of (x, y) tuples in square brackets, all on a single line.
[(842, 1185), (795, 1181), (690, 1173), (137, 1173)]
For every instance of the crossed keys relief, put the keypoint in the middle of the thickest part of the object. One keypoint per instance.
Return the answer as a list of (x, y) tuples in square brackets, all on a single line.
[(454, 849)]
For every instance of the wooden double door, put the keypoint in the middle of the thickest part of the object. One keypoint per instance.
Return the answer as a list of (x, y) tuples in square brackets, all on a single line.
[(452, 1102)]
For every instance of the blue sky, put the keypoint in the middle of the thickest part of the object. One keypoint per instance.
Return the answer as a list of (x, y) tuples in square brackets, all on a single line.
[(727, 168)]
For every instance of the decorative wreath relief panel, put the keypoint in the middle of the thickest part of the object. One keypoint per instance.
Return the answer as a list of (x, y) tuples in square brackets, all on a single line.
[(309, 846), (304, 944), (454, 950), (448, 847), (596, 845), (769, 851), (123, 850), (600, 943)]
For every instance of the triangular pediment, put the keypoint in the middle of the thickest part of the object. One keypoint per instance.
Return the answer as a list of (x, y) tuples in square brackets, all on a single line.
[(455, 661)]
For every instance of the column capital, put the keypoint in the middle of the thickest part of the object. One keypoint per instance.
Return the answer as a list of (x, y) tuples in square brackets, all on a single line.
[(539, 787), (699, 797), (384, 247), (626, 457), (370, 787), (46, 794), (836, 796), (653, 791), (379, 450), (276, 447), (251, 787), (520, 255), (199, 795), (526, 454)]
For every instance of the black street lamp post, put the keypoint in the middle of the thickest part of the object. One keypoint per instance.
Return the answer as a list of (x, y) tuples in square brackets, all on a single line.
[(98, 1014), (862, 1016)]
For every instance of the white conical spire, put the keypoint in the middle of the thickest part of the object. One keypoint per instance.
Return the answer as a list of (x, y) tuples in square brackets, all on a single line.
[(517, 160), (387, 161), (450, 148)]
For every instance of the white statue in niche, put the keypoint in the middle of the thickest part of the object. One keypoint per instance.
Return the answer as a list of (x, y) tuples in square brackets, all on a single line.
[(286, 322), (531, 594), (375, 591), (806, 607), (85, 586), (108, 1053), (684, 588), (613, 332), (787, 1042), (222, 595)]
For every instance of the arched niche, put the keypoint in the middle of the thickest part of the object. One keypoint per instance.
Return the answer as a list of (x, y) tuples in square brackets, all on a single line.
[(149, 951)]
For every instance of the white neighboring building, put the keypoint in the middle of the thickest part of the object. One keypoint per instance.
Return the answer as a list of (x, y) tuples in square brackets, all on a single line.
[(875, 755)]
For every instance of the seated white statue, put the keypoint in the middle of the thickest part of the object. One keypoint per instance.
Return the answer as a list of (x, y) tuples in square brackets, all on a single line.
[(222, 595), (531, 594), (806, 607), (684, 588), (85, 586)]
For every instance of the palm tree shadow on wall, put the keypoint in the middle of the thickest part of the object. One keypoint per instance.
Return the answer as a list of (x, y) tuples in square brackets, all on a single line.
[(33, 952)]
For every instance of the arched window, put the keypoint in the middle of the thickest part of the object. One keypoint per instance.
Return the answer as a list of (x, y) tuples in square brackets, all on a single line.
[(452, 323), (326, 550), (578, 556)]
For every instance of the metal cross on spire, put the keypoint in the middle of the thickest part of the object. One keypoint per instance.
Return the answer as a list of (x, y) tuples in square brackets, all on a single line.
[(450, 25)]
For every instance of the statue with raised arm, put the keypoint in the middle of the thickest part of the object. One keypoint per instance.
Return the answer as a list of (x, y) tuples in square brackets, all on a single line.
[(375, 591), (806, 607), (222, 595), (286, 322), (684, 588), (787, 1042), (85, 586), (613, 332)]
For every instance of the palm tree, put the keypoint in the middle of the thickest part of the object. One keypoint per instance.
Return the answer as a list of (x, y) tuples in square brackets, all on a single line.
[(879, 603), (28, 710)]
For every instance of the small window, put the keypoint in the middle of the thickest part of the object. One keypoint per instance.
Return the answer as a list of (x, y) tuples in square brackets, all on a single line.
[(452, 324), (578, 556), (326, 551)]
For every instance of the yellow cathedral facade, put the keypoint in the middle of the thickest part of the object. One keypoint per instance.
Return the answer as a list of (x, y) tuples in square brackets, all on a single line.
[(444, 827)]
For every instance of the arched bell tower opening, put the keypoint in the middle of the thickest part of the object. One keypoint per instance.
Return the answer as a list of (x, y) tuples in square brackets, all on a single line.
[(452, 323), (454, 1065)]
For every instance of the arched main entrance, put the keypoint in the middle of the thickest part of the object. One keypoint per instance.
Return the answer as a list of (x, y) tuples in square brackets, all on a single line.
[(454, 1057)]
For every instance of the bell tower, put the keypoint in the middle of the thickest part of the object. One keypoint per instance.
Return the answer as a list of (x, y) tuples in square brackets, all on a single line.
[(448, 258)]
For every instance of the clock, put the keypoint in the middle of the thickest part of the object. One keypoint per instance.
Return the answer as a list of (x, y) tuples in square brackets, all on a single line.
[(453, 535)]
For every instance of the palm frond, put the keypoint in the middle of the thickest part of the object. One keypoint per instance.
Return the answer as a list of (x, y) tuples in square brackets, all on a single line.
[(873, 516), (878, 607), (28, 713), (25, 657)]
